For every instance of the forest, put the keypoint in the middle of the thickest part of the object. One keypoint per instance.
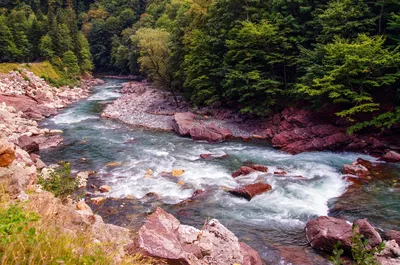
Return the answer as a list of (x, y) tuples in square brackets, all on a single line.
[(254, 56)]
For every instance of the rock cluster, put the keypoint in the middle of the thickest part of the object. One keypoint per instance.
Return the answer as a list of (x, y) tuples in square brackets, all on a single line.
[(324, 232), (143, 106), (163, 236)]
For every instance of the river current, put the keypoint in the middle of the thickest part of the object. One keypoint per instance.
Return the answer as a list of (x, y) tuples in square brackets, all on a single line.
[(267, 222)]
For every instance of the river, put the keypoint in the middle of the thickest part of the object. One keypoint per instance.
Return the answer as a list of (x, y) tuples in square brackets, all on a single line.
[(267, 223)]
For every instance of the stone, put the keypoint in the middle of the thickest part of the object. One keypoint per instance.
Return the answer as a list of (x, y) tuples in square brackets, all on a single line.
[(393, 235), (23, 197), (7, 154), (391, 156), (177, 172), (149, 173), (97, 200), (391, 250), (368, 231), (113, 164), (183, 122), (324, 232), (249, 191), (213, 156), (104, 188), (82, 206), (163, 236), (245, 170), (250, 256), (28, 144), (242, 171)]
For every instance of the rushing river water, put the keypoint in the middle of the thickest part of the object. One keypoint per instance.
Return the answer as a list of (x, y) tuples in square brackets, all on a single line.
[(267, 222)]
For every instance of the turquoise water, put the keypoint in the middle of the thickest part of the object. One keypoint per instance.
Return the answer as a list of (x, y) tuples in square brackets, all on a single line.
[(266, 222)]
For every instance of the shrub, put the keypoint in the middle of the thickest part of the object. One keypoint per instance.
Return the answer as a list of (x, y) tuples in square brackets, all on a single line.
[(362, 254), (60, 182)]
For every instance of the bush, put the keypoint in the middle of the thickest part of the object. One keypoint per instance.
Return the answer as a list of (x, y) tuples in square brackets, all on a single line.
[(60, 182), (362, 254)]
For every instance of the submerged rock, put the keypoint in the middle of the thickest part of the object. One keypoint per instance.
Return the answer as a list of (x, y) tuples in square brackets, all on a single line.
[(213, 156), (245, 170), (249, 191), (163, 236), (391, 156)]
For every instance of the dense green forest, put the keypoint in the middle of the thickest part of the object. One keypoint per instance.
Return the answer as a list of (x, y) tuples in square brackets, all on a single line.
[(257, 56)]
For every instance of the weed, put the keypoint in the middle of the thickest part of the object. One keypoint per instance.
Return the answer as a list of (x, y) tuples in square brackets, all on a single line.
[(60, 182), (362, 254)]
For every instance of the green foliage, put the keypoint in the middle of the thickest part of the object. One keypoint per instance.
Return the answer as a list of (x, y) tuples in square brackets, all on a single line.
[(362, 253), (70, 63), (14, 221), (352, 75), (60, 182)]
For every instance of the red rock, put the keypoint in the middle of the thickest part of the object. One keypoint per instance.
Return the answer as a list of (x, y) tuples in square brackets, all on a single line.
[(249, 191), (48, 141), (245, 170), (356, 170), (324, 232), (391, 156), (242, 171), (393, 235), (210, 133), (212, 156), (7, 154), (259, 167), (28, 144), (183, 122), (369, 232), (250, 256), (282, 173)]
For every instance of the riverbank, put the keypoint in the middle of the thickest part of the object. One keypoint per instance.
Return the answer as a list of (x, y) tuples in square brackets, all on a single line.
[(293, 130), (20, 166), (24, 100)]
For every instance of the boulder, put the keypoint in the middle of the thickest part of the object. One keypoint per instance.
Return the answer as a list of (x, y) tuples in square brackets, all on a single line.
[(104, 188), (185, 125), (249, 191), (250, 256), (245, 170), (7, 154), (210, 133), (213, 156), (163, 236), (368, 231), (355, 169), (324, 232), (177, 172), (183, 122), (28, 144), (391, 156), (242, 171), (393, 235)]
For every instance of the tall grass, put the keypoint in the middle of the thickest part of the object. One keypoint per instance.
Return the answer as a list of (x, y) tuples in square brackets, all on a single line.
[(26, 239)]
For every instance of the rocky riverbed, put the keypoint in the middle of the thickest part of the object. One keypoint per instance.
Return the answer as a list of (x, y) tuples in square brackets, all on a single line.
[(293, 130)]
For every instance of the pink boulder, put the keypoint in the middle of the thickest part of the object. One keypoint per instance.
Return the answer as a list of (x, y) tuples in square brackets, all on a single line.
[(324, 232), (368, 231), (163, 236)]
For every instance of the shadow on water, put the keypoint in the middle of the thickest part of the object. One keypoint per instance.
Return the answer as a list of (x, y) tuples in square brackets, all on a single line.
[(272, 223)]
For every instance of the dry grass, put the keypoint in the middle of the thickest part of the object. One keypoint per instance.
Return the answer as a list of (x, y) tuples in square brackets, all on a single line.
[(40, 69), (27, 239)]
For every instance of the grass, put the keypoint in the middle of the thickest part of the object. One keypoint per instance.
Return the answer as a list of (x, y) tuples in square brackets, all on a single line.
[(44, 70), (27, 239)]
